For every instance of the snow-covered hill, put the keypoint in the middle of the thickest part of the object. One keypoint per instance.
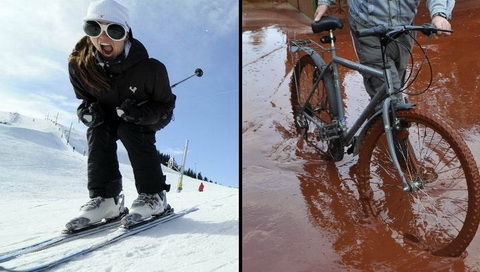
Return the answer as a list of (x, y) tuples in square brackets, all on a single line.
[(43, 184)]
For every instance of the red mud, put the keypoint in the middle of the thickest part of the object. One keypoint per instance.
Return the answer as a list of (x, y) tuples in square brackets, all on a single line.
[(301, 213)]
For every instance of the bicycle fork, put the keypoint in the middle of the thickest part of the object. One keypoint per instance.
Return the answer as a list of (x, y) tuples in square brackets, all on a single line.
[(390, 143), (386, 107)]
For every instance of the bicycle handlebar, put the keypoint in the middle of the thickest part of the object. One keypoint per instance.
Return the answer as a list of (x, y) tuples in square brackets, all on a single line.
[(374, 31), (384, 31)]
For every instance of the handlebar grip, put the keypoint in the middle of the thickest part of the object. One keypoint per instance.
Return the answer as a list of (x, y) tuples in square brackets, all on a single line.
[(374, 31)]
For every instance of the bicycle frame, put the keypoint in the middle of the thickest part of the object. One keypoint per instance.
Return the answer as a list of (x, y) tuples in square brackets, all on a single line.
[(437, 210), (389, 105)]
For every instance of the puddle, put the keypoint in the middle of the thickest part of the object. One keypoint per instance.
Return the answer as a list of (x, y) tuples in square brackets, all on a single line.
[(301, 213)]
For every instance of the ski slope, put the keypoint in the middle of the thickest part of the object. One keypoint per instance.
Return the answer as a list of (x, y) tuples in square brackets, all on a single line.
[(43, 184)]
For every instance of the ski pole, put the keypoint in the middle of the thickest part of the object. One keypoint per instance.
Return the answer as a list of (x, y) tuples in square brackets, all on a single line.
[(198, 73)]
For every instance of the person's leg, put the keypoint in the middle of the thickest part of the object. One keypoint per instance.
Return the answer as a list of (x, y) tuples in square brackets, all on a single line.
[(144, 158), (369, 53), (104, 178), (401, 52), (397, 55)]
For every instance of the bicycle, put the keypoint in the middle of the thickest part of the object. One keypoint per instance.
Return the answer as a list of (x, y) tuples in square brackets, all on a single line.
[(415, 173)]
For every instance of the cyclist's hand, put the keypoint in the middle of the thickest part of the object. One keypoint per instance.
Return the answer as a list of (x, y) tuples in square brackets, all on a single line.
[(442, 23), (321, 9)]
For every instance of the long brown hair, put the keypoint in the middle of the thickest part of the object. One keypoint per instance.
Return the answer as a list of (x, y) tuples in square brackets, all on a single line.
[(84, 62)]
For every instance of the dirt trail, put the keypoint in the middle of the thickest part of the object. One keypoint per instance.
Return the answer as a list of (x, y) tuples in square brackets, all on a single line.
[(301, 213)]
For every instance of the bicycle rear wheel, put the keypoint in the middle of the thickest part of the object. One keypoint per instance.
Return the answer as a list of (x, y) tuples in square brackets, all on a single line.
[(442, 216), (319, 108)]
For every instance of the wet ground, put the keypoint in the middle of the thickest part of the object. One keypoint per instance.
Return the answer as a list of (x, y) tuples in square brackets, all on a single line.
[(302, 213)]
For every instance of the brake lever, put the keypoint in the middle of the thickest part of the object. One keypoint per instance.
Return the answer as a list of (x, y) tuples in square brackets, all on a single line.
[(429, 29)]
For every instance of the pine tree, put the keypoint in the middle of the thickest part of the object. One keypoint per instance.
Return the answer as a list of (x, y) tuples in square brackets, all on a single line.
[(164, 158)]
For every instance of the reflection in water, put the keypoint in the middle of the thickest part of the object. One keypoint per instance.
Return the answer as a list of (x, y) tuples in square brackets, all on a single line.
[(257, 44), (301, 213), (455, 62), (330, 193)]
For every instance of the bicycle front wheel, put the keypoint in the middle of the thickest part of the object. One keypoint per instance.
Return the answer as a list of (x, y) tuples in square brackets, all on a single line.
[(442, 214), (317, 105)]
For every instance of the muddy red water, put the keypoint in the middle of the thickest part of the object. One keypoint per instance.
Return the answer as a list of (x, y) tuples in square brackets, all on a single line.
[(302, 213)]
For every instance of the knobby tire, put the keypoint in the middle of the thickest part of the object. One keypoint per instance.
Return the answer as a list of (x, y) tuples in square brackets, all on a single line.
[(443, 216), (305, 75)]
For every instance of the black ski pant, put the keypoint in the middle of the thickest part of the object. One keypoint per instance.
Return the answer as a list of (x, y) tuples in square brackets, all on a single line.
[(104, 178)]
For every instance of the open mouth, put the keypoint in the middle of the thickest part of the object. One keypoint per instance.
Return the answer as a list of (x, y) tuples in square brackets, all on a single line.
[(107, 49)]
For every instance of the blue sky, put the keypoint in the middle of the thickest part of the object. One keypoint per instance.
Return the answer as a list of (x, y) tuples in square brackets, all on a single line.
[(183, 34)]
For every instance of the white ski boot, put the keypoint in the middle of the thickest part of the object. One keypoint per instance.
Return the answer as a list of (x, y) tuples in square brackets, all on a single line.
[(145, 206), (96, 210)]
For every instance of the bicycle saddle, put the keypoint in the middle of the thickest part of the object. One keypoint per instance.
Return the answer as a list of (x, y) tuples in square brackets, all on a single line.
[(327, 23)]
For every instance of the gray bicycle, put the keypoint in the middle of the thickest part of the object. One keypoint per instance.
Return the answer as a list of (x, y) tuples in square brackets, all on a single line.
[(414, 172)]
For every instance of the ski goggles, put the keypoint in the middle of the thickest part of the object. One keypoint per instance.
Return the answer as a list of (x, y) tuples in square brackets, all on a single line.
[(114, 31)]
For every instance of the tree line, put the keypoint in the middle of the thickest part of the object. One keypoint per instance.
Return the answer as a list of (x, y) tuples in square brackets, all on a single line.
[(164, 158)]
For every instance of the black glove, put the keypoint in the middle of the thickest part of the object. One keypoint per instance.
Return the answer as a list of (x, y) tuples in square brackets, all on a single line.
[(130, 112), (91, 116)]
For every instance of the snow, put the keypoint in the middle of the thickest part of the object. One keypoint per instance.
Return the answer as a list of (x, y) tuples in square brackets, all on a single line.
[(43, 184)]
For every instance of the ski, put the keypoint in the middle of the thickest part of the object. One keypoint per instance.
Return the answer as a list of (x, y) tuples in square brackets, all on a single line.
[(119, 234), (66, 236), (134, 220)]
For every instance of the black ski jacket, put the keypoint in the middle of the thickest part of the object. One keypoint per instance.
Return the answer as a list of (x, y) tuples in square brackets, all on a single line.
[(137, 77)]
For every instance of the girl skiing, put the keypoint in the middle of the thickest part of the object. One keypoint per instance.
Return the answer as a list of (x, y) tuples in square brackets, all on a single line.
[(125, 96)]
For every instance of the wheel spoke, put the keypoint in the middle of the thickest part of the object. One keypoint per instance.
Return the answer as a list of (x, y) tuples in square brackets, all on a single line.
[(434, 214), (312, 100)]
